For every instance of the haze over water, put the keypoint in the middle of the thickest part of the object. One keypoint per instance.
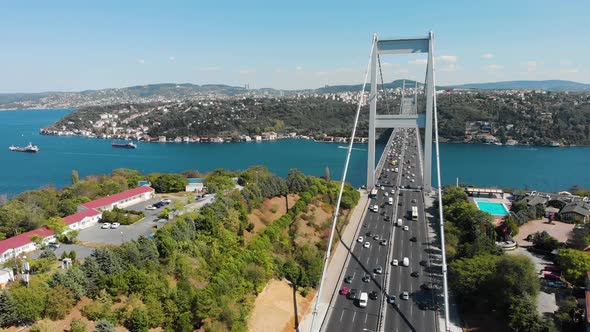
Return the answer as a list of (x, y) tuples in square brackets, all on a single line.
[(539, 168)]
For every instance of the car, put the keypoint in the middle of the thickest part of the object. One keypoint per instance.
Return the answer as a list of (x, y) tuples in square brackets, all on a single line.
[(391, 299), (344, 290), (392, 191), (413, 200), (386, 194), (557, 284), (395, 262), (400, 204), (367, 245), (406, 228), (159, 205), (373, 295), (383, 242), (348, 279), (423, 263), (387, 218), (366, 278), (54, 245), (426, 286), (363, 299), (415, 274), (369, 234), (413, 239), (412, 180), (382, 188), (406, 261), (405, 296), (166, 200), (379, 269), (115, 225), (401, 193), (352, 294), (376, 237), (106, 225), (151, 207), (360, 239)]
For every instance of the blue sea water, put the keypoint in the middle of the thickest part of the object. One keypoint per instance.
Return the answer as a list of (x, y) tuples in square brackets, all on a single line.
[(482, 165)]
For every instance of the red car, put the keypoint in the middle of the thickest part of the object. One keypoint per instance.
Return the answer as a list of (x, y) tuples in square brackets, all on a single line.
[(344, 290), (552, 268), (551, 276)]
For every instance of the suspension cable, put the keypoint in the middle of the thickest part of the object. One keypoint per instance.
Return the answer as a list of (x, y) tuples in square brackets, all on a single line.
[(347, 162), (383, 85)]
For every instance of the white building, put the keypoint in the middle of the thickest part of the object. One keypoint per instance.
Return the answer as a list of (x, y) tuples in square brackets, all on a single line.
[(20, 244)]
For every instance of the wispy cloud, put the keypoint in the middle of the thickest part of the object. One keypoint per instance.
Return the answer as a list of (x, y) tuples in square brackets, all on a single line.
[(569, 71), (386, 64), (141, 61), (417, 62), (209, 68), (531, 66), (487, 56), (299, 68), (565, 62), (172, 58), (494, 68), (448, 58), (451, 67), (247, 71)]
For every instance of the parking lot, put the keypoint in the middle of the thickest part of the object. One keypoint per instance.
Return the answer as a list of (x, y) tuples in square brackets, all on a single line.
[(96, 234)]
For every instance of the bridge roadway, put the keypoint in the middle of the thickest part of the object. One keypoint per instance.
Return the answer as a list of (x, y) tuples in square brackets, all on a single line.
[(414, 314)]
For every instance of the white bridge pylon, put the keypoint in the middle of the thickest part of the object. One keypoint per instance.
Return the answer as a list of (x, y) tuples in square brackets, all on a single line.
[(402, 46)]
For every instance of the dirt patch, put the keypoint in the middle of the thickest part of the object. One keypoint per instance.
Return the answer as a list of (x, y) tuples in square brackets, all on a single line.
[(270, 210), (309, 225), (557, 229), (274, 308)]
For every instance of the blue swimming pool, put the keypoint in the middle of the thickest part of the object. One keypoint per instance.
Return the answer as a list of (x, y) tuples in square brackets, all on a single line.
[(495, 209)]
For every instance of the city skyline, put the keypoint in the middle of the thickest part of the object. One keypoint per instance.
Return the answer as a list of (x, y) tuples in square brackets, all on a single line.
[(71, 46)]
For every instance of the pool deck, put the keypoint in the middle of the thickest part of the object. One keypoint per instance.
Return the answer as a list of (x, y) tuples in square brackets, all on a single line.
[(495, 199)]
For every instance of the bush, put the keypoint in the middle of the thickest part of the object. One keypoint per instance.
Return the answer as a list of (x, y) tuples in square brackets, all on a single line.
[(77, 326), (104, 326)]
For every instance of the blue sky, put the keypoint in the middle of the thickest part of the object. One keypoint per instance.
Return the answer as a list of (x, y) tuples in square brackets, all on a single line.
[(62, 45)]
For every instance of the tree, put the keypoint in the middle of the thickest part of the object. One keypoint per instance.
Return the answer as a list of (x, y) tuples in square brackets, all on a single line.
[(139, 321), (77, 326), (104, 326), (59, 302), (296, 181), (75, 176), (544, 241), (469, 277), (30, 302), (8, 312), (575, 264), (169, 183)]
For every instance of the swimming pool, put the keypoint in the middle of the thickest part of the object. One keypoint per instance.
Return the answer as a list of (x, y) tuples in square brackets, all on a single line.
[(495, 209)]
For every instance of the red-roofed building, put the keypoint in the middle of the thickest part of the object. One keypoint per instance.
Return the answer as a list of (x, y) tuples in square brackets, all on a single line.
[(120, 200), (83, 219), (22, 243)]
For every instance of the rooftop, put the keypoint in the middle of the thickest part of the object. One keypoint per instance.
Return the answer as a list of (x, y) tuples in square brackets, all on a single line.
[(22, 239), (117, 197), (74, 218)]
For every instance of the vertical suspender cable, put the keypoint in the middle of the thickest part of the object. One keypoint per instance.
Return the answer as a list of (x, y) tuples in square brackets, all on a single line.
[(337, 210), (440, 208)]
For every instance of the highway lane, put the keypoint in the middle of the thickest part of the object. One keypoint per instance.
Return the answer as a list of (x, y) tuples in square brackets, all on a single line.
[(346, 315), (411, 315)]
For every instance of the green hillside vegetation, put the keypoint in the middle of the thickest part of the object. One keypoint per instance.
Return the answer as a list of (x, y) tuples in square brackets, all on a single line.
[(197, 271)]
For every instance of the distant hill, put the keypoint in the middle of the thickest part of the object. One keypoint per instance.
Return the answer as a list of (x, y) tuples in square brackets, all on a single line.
[(549, 85), (357, 87)]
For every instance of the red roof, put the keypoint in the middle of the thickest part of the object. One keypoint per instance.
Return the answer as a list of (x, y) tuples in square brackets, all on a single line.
[(74, 218), (22, 239), (587, 306), (117, 197)]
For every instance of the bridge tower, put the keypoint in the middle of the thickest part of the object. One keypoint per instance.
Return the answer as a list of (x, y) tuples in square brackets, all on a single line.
[(404, 120)]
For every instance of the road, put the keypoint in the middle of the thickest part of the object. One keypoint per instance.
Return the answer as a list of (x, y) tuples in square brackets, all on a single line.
[(405, 315)]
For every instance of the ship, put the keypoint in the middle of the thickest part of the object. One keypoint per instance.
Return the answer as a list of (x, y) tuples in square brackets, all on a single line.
[(129, 145), (29, 148)]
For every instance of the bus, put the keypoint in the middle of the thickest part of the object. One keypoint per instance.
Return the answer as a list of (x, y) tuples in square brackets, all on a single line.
[(373, 193), (414, 213)]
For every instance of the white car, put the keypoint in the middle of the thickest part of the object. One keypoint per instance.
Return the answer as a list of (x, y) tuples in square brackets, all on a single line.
[(392, 191), (166, 200), (367, 245), (151, 207), (106, 225), (406, 228), (360, 239), (386, 194), (382, 188), (405, 296), (395, 262), (115, 225)]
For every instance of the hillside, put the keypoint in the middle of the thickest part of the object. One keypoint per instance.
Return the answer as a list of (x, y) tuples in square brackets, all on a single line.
[(548, 85)]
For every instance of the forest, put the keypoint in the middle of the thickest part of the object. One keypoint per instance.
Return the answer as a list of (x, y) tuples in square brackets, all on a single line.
[(199, 271)]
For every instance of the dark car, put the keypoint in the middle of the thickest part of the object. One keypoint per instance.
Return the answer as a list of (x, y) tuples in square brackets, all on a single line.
[(348, 279), (369, 234), (423, 263), (415, 274), (413, 239), (352, 294), (366, 278), (387, 218), (391, 299), (158, 205), (373, 295)]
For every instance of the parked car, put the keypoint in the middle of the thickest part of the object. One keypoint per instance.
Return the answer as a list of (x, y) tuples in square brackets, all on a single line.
[(551, 276), (54, 245), (106, 225), (166, 201), (115, 225), (557, 284), (151, 207)]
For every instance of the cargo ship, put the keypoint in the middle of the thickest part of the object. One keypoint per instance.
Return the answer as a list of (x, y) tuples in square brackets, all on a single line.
[(129, 145), (29, 148)]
